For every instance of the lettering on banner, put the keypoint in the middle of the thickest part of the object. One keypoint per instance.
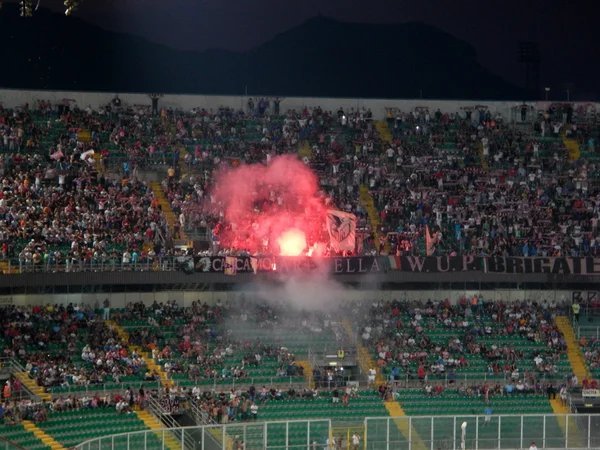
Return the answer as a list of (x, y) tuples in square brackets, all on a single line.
[(498, 265), (590, 393)]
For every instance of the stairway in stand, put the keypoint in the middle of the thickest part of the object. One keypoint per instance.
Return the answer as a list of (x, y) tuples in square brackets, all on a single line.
[(394, 409), (482, 158), (308, 372), (567, 424), (84, 135), (384, 132), (163, 201), (404, 426), (170, 443), (98, 162), (571, 144), (42, 435), (365, 360), (30, 384), (183, 168), (5, 269), (368, 203), (147, 356), (573, 350)]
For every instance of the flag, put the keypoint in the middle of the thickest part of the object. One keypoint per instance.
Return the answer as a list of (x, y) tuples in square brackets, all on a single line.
[(394, 262), (230, 265), (342, 230), (430, 242), (390, 262)]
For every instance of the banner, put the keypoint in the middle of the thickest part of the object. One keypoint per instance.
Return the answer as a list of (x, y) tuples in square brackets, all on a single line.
[(230, 265), (590, 393), (430, 242), (498, 265), (342, 230), (170, 405)]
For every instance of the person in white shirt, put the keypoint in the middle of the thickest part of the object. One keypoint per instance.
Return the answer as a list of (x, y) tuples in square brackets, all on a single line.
[(356, 441), (371, 378), (254, 411), (533, 446)]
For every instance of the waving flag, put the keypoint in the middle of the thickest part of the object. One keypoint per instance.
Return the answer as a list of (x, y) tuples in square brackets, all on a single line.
[(342, 230), (431, 242)]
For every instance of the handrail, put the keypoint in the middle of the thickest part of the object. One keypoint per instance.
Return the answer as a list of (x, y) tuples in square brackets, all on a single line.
[(579, 437), (222, 429), (200, 416), (85, 390), (164, 417), (11, 443), (15, 366)]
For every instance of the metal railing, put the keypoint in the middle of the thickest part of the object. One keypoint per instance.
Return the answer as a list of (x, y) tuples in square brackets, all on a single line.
[(11, 365), (158, 264), (467, 379), (547, 431), (300, 434), (165, 418), (231, 382), (5, 444), (104, 388)]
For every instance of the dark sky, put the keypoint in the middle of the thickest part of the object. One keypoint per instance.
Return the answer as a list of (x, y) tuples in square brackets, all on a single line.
[(564, 29)]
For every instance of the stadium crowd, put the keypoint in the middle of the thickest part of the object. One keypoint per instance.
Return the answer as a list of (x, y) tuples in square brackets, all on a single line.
[(71, 347), (416, 341), (481, 184)]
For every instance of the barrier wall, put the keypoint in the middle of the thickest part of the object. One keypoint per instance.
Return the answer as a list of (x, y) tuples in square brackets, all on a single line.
[(15, 98), (185, 298)]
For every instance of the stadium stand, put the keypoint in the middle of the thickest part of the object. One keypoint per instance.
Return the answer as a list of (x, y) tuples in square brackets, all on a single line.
[(460, 173), (480, 185), (164, 327)]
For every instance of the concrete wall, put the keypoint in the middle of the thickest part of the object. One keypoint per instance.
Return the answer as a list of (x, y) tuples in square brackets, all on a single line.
[(14, 98), (185, 298)]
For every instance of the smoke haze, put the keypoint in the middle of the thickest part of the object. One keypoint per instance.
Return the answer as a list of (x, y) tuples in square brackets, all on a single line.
[(263, 203)]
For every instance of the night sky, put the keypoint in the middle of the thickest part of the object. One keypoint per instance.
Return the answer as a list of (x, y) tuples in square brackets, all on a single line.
[(564, 30)]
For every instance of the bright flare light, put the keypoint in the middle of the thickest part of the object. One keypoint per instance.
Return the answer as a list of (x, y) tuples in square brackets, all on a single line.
[(292, 242)]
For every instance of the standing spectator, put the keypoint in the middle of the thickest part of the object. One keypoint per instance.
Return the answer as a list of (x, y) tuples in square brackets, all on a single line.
[(576, 308), (106, 315), (488, 416), (7, 391), (254, 411), (371, 378), (355, 441)]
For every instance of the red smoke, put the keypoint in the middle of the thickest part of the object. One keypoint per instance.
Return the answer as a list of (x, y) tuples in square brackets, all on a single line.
[(275, 208)]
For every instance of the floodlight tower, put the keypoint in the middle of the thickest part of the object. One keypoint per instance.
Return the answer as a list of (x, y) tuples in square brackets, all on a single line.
[(530, 58)]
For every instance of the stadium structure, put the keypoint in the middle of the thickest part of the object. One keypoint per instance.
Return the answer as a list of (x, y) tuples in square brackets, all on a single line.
[(197, 272)]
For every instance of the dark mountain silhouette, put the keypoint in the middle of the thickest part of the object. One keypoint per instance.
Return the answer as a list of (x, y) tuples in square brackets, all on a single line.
[(321, 57)]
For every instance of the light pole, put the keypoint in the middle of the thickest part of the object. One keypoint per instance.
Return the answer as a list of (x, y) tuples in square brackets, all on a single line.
[(547, 89)]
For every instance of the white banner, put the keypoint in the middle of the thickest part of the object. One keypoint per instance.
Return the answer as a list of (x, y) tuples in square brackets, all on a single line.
[(590, 393), (342, 230)]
